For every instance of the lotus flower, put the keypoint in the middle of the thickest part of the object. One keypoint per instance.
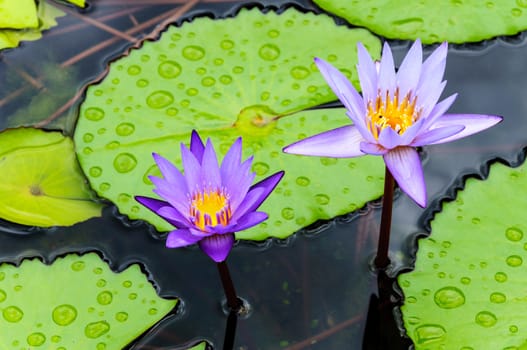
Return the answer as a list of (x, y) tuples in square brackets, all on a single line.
[(208, 203), (396, 113)]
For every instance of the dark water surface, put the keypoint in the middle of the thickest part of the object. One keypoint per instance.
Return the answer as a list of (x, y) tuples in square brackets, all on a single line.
[(311, 291)]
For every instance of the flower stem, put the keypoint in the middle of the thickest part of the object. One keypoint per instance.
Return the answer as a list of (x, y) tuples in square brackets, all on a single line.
[(230, 330), (381, 260), (232, 300)]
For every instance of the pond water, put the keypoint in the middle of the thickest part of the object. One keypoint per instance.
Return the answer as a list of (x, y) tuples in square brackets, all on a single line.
[(311, 291)]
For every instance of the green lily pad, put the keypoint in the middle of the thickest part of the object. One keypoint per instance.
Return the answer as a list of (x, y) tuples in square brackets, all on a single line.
[(80, 3), (42, 183), (468, 287), (18, 14), (200, 346), (251, 76), (47, 15), (433, 21), (75, 303)]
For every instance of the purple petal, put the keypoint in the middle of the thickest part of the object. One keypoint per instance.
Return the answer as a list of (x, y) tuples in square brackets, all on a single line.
[(436, 135), (342, 142), (196, 146), (210, 171), (192, 169), (173, 216), (410, 70), (372, 148), (232, 159), (173, 195), (267, 185), (252, 200), (181, 238), (170, 173), (367, 74), (473, 123), (389, 138), (433, 68), (363, 129), (221, 229), (250, 220), (409, 135), (405, 166), (151, 203), (438, 111), (427, 100), (386, 80), (168, 170), (239, 181), (344, 90), (217, 247)]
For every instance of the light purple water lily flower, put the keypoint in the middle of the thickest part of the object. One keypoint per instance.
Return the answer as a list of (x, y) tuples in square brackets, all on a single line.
[(396, 113), (209, 202)]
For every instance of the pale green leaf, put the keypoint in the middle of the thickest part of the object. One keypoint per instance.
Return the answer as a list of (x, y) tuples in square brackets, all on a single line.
[(42, 183), (47, 15), (18, 14)]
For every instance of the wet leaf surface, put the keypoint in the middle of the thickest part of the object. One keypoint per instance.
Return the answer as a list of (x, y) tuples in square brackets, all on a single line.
[(434, 21), (468, 287), (251, 75), (42, 184), (75, 303)]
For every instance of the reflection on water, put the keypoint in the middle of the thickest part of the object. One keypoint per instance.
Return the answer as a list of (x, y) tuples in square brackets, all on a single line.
[(314, 290)]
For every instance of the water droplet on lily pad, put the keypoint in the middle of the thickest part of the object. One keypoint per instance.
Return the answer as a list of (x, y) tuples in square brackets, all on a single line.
[(288, 213), (269, 52), (169, 69), (498, 298), (121, 316), (193, 52), (486, 319), (125, 129), (96, 329), (302, 181), (514, 260), (449, 297), (159, 99), (124, 162), (300, 72), (514, 234), (104, 298), (134, 70), (36, 339), (78, 265), (429, 333), (12, 314), (94, 114), (64, 315)]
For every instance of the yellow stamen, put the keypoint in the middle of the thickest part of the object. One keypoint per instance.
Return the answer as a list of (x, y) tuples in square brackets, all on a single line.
[(391, 112), (210, 208)]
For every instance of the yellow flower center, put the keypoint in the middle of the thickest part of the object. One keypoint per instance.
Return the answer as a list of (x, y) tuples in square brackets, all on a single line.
[(210, 208), (392, 112)]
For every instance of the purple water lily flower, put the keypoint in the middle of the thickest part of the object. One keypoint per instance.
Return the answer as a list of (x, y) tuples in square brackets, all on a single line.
[(396, 113), (209, 202)]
